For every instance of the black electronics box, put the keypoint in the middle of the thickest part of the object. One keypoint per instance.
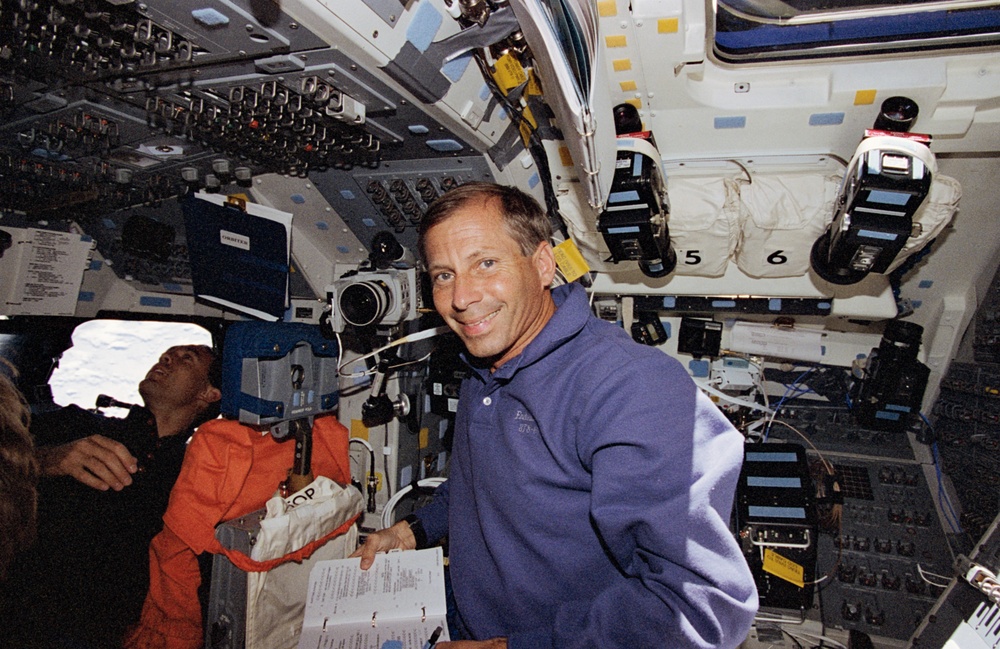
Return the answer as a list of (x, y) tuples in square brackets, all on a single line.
[(627, 223), (776, 523), (699, 337)]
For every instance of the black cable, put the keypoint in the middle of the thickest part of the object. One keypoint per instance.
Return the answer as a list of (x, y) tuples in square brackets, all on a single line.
[(535, 146), (372, 478), (385, 462)]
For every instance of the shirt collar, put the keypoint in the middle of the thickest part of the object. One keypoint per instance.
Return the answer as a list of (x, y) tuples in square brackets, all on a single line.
[(141, 416), (143, 419)]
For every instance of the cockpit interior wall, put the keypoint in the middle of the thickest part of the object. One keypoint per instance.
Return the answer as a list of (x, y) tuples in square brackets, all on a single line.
[(725, 169)]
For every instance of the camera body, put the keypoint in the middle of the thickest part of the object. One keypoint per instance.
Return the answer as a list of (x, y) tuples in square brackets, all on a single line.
[(893, 388), (373, 298), (884, 186), (634, 222), (882, 190)]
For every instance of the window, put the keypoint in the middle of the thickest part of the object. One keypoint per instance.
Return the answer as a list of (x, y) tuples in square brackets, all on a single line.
[(111, 357), (749, 30)]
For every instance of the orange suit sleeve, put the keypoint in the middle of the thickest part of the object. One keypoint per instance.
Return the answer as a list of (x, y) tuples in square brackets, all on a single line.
[(215, 486), (216, 465)]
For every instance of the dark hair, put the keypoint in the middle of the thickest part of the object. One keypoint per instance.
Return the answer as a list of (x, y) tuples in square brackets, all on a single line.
[(18, 475), (215, 379), (523, 217), (215, 369)]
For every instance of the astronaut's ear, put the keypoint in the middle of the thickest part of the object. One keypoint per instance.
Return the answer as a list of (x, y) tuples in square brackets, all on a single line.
[(544, 261), (211, 394)]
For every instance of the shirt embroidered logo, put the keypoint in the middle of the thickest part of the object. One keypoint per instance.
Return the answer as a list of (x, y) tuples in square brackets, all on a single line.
[(526, 423)]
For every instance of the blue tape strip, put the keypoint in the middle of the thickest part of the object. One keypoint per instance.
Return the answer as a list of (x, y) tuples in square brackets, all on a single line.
[(731, 122), (425, 24), (209, 17), (698, 368), (826, 119), (455, 68), (444, 146)]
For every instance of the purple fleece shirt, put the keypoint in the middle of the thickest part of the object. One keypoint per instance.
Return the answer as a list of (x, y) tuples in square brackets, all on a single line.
[(590, 492)]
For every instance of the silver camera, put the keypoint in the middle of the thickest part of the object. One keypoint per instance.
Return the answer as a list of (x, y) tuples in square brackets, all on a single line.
[(380, 297)]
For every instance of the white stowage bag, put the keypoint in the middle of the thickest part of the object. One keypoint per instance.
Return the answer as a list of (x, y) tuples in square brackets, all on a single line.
[(276, 598), (781, 217), (704, 224), (936, 212)]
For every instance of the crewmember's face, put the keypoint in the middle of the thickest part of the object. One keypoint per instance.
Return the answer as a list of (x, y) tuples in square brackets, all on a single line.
[(179, 378), (495, 298)]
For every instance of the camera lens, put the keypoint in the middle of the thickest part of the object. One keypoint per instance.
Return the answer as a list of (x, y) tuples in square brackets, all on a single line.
[(903, 337), (897, 114), (627, 119), (365, 303)]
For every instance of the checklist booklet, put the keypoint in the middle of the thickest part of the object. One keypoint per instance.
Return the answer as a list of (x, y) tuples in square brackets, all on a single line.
[(240, 253), (396, 604)]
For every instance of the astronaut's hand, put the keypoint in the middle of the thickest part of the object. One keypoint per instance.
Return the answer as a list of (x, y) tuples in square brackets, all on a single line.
[(96, 461), (397, 537)]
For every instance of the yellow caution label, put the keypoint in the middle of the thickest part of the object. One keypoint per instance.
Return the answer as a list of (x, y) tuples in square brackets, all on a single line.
[(423, 437), (620, 65), (784, 568), (509, 73), (359, 430), (534, 88), (668, 25), (570, 261), (628, 86), (528, 124), (864, 97), (607, 8), (616, 40), (565, 156)]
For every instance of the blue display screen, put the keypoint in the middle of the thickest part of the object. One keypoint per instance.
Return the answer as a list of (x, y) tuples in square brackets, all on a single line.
[(888, 198), (623, 197), (761, 511), (754, 456), (767, 481)]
